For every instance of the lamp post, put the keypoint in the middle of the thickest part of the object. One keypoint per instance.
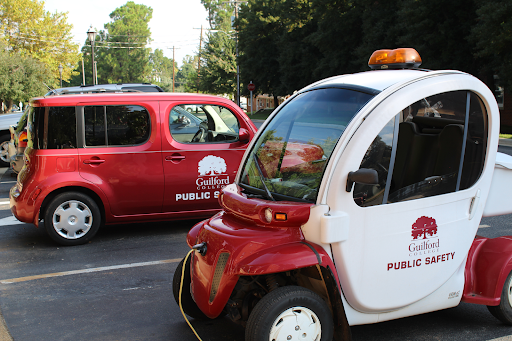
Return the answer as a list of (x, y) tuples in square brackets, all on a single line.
[(60, 72), (91, 34)]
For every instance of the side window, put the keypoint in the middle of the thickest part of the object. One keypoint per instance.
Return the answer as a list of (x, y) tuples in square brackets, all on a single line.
[(119, 125), (440, 149), (377, 157), (476, 143), (53, 128), (194, 123)]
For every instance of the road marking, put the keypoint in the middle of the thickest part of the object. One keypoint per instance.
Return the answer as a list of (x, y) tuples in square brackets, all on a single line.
[(4, 202), (84, 271), (11, 220), (483, 226)]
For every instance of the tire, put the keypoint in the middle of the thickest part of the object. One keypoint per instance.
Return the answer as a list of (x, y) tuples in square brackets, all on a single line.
[(187, 302), (290, 311), (503, 311), (4, 150), (72, 218)]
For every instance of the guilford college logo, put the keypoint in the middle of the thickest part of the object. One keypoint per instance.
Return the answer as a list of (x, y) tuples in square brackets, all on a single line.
[(424, 237), (212, 173)]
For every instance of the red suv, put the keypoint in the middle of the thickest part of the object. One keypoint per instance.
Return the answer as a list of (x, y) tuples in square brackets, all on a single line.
[(100, 159)]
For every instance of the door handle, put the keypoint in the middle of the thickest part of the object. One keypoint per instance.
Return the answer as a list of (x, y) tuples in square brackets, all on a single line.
[(175, 158), (474, 204), (93, 161)]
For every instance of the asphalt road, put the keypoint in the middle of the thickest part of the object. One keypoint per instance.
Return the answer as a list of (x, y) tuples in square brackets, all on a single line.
[(118, 287)]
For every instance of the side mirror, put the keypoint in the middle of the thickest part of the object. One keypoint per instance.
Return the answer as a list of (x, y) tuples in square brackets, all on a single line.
[(363, 176), (243, 135)]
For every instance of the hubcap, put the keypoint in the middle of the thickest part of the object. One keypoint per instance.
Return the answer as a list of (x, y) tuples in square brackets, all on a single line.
[(297, 323), (72, 219), (4, 151)]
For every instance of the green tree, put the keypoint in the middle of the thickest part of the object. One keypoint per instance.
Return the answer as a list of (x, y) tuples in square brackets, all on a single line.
[(218, 64), (492, 36), (21, 78), (122, 55), (296, 53), (186, 77), (217, 72), (162, 69), (440, 30), (219, 13), (33, 32), (260, 32)]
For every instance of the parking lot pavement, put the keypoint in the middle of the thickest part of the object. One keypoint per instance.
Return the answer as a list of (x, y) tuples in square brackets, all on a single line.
[(6, 182)]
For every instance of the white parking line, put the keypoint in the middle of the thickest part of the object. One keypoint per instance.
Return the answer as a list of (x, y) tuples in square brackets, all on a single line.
[(11, 220), (83, 271)]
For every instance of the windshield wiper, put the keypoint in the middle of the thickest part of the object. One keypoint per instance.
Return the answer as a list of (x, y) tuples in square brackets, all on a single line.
[(262, 178)]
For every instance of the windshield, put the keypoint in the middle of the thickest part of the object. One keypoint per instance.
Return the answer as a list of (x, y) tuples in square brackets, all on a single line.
[(289, 158)]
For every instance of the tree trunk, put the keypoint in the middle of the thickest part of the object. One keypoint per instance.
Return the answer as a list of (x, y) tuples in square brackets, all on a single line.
[(9, 104), (276, 101)]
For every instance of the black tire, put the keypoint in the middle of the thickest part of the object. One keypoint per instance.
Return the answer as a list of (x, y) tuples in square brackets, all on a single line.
[(72, 218), (503, 311), (187, 302), (295, 301), (4, 150)]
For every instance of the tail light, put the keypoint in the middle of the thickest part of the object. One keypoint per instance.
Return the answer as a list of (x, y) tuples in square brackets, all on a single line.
[(22, 140)]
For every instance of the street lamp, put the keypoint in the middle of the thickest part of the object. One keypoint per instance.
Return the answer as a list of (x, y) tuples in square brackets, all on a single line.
[(91, 34), (60, 72)]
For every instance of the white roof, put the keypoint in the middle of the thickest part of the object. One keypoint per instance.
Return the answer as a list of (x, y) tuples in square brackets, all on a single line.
[(377, 79)]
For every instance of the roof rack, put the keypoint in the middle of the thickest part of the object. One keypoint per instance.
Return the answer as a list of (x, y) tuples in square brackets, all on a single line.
[(95, 91)]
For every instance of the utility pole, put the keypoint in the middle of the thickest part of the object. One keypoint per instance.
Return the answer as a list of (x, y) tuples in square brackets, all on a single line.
[(173, 61), (83, 71), (199, 57)]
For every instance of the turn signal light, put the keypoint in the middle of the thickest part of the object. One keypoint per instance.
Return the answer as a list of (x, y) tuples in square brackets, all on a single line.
[(280, 216), (403, 58)]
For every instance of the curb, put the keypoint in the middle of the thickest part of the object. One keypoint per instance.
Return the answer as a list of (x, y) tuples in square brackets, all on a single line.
[(505, 142)]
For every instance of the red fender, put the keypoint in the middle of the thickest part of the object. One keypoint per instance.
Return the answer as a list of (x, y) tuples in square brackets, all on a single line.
[(283, 258), (244, 250), (488, 265)]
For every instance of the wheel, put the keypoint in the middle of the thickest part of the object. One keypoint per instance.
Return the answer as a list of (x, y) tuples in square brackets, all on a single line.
[(72, 218), (503, 312), (187, 302), (199, 135), (4, 150), (290, 313)]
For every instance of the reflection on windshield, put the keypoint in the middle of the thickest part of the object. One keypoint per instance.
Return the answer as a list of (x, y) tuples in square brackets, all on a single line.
[(294, 149)]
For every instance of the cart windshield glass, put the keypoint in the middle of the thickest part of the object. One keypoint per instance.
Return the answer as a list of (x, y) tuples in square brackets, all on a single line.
[(288, 160)]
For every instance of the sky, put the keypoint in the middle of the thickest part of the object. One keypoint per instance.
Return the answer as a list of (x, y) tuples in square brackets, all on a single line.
[(174, 22)]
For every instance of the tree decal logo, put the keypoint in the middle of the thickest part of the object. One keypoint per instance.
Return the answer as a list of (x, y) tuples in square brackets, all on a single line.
[(424, 226), (211, 165)]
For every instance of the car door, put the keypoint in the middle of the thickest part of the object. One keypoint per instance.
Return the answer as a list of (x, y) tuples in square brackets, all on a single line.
[(407, 237), (201, 151), (121, 155)]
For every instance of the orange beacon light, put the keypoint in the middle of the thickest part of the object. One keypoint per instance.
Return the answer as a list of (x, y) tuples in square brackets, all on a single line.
[(403, 58)]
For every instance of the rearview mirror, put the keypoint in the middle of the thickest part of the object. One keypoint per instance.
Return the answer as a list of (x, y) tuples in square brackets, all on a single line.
[(363, 176)]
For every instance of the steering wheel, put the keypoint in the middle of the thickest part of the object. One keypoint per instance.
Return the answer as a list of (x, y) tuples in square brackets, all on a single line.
[(199, 135)]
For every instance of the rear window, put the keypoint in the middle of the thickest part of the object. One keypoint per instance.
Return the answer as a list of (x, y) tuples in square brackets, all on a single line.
[(143, 88), (52, 127)]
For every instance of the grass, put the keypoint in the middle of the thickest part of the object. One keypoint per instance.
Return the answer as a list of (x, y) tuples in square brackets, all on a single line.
[(260, 114), (505, 136)]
